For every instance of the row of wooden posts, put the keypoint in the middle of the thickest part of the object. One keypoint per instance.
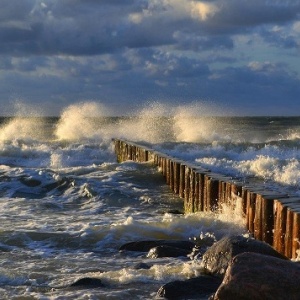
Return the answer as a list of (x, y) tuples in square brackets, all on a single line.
[(270, 216)]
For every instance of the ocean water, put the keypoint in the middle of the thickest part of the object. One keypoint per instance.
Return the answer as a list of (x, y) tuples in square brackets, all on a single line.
[(66, 205)]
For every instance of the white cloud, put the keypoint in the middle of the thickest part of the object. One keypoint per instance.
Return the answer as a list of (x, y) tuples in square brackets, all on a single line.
[(202, 10), (296, 27), (135, 18)]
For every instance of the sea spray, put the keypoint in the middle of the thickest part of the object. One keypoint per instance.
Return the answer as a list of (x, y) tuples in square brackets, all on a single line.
[(199, 122), (81, 121), (153, 123), (22, 128), (90, 121)]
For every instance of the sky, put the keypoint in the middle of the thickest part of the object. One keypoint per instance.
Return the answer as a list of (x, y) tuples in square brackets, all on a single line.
[(239, 56)]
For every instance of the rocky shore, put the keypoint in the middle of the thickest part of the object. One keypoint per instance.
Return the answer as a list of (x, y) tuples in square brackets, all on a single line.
[(234, 267)]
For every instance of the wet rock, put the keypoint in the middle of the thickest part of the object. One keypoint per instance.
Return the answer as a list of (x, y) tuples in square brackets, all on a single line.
[(216, 259), (196, 288), (202, 245), (145, 246), (87, 282), (141, 266), (30, 182), (167, 251), (60, 185), (252, 276)]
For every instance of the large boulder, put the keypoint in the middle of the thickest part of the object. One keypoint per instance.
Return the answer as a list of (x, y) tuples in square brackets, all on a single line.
[(216, 259), (252, 276), (199, 287), (145, 246)]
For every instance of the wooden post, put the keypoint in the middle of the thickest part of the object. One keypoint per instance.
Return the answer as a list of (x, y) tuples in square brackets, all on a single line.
[(164, 166), (244, 197), (168, 173), (288, 244), (280, 215), (187, 205), (182, 180), (196, 190), (171, 168), (296, 233), (222, 192), (176, 168), (192, 190), (250, 210), (236, 194), (268, 215), (264, 217), (211, 192), (258, 217), (201, 189)]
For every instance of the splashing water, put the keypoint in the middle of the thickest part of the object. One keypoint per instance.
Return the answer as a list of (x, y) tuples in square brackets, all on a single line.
[(196, 123), (80, 121), (152, 124), (23, 129)]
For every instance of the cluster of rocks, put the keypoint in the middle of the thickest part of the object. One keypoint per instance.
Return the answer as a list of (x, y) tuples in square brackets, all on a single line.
[(233, 268)]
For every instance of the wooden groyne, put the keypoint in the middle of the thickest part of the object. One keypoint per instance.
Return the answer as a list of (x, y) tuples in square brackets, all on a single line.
[(270, 216)]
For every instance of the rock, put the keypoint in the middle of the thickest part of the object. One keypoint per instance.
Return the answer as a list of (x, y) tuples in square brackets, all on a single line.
[(30, 182), (252, 276), (60, 185), (216, 259), (87, 282), (141, 265), (167, 251), (145, 246), (202, 245), (202, 286)]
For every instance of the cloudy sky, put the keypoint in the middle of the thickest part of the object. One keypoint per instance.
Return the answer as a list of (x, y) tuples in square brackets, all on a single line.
[(242, 56)]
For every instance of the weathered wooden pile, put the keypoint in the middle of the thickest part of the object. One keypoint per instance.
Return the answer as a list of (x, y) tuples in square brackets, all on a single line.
[(270, 216)]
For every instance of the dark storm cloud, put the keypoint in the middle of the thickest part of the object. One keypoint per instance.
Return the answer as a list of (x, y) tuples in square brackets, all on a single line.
[(94, 27), (237, 15), (195, 42), (280, 38), (126, 52)]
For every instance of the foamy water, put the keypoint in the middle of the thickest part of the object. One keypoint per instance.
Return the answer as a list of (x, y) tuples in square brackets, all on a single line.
[(66, 205)]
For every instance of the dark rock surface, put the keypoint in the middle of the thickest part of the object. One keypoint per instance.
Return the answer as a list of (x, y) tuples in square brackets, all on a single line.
[(216, 259), (141, 266), (30, 182), (252, 276), (145, 246), (87, 282), (193, 288)]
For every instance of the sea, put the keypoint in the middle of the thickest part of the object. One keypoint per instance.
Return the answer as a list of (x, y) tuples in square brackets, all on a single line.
[(67, 205)]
